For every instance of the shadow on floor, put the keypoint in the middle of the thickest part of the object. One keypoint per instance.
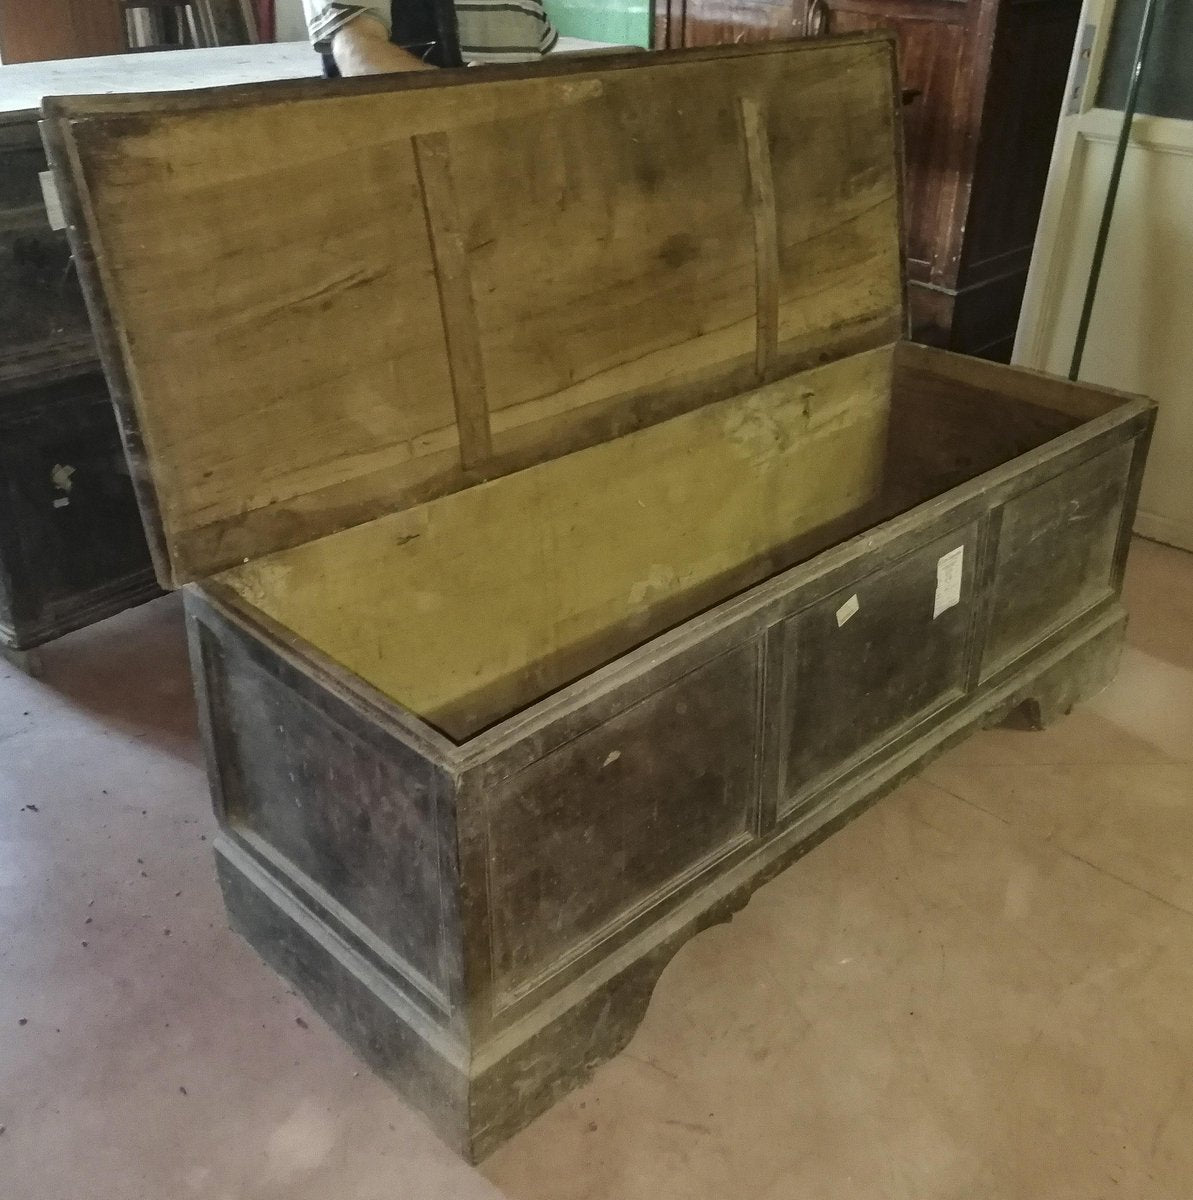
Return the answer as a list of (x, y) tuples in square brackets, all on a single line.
[(131, 672)]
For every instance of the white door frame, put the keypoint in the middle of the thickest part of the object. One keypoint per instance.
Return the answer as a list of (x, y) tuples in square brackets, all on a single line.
[(1060, 265)]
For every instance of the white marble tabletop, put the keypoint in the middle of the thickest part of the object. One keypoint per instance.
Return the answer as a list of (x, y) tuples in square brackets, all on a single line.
[(22, 85)]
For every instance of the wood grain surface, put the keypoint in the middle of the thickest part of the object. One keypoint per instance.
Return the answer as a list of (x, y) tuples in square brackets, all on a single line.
[(297, 363)]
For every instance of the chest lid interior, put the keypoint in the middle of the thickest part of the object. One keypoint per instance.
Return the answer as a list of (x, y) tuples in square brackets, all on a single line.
[(320, 303)]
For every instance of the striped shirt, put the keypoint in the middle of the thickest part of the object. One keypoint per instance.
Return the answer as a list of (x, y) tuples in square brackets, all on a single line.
[(491, 31)]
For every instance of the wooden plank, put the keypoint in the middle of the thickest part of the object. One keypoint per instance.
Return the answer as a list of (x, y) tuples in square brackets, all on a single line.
[(1055, 556), (287, 365), (941, 431), (455, 297), (259, 376), (766, 246), (974, 381)]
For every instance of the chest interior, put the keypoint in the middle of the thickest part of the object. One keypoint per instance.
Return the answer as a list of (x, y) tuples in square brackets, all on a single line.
[(471, 606)]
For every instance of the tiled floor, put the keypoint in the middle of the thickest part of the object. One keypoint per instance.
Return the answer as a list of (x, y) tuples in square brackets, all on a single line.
[(983, 988)]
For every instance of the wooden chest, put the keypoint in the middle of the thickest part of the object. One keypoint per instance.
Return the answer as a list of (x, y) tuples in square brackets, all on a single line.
[(571, 538)]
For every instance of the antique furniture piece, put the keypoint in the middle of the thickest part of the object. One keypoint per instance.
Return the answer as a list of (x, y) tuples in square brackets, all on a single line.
[(989, 79), (571, 539), (72, 549)]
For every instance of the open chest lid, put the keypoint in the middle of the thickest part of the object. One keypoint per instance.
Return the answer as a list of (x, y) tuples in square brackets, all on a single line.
[(319, 303)]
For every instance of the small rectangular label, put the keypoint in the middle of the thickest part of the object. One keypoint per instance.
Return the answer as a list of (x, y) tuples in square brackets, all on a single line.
[(49, 193), (847, 610), (950, 571)]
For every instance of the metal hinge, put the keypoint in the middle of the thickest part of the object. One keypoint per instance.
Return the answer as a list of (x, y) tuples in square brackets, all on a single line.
[(49, 193), (1085, 49)]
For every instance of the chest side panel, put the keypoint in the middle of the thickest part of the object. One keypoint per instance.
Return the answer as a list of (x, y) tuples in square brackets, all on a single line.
[(343, 811), (1057, 549)]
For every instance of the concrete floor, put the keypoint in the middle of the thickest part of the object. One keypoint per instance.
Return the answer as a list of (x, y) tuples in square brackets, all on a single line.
[(981, 988)]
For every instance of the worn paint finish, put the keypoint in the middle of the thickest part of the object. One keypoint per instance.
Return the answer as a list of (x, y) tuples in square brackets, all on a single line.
[(352, 813), (848, 684), (43, 320), (1056, 553), (587, 836), (632, 806)]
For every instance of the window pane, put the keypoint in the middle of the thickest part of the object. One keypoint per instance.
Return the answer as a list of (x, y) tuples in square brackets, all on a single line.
[(1167, 89)]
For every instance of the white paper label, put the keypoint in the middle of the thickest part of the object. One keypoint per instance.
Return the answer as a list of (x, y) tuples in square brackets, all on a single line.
[(49, 193), (950, 570), (847, 610)]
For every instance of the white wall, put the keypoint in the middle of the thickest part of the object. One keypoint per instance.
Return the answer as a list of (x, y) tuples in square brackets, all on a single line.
[(292, 26)]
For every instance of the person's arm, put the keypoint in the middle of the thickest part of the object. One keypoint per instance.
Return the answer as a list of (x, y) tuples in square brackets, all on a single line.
[(362, 47)]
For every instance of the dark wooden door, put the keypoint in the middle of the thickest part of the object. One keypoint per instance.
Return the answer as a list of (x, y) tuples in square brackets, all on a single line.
[(934, 54), (39, 30)]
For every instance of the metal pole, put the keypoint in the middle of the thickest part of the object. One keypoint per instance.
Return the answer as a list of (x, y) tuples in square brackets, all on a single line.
[(1091, 291)]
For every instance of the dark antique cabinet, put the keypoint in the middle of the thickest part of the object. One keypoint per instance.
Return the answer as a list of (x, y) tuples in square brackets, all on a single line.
[(570, 538), (986, 80), (72, 549), (72, 546)]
